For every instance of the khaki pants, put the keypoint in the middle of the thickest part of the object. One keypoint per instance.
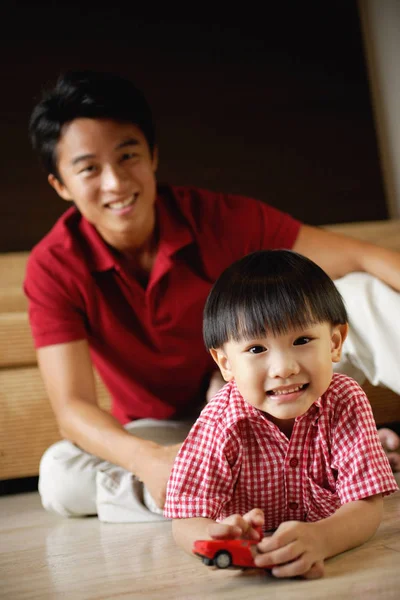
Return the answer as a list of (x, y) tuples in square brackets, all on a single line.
[(372, 349), (74, 483)]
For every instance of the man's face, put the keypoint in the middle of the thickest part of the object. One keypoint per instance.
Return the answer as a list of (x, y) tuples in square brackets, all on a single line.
[(107, 169), (283, 375)]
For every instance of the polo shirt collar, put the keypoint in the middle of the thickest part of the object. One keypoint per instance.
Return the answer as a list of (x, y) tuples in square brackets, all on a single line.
[(174, 234), (99, 255)]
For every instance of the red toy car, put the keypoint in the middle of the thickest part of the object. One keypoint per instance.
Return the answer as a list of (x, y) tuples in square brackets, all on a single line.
[(226, 553)]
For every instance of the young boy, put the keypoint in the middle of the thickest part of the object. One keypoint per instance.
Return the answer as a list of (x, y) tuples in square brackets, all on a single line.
[(285, 444)]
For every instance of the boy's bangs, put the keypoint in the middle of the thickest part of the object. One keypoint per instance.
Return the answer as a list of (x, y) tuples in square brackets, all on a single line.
[(261, 312), (270, 292)]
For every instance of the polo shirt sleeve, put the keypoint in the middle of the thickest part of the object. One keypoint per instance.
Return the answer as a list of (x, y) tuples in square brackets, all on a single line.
[(279, 229), (357, 454), (55, 310), (201, 480), (248, 225)]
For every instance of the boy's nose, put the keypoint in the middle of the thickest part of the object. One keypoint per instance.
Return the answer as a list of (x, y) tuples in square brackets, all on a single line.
[(282, 366)]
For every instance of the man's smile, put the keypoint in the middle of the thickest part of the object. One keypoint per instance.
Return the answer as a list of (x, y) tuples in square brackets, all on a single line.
[(117, 205)]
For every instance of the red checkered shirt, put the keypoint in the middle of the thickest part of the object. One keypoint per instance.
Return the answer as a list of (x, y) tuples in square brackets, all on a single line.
[(235, 459)]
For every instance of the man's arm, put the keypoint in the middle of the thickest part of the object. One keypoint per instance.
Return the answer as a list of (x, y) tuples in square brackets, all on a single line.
[(302, 545), (338, 255), (67, 373)]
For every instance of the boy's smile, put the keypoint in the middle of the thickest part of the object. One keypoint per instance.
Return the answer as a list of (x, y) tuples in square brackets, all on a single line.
[(283, 375), (286, 393)]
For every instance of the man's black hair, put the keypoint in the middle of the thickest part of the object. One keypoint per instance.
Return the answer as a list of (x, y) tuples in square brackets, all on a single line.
[(86, 94)]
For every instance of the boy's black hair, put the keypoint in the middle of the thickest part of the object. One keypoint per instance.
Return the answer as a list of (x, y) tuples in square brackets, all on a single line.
[(270, 291), (90, 94)]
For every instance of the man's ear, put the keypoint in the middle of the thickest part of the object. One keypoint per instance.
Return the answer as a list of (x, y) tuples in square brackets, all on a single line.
[(222, 361), (59, 187), (339, 334)]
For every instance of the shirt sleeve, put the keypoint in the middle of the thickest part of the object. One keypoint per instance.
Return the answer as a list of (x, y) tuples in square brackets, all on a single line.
[(357, 454), (55, 309), (279, 229), (201, 480), (248, 225)]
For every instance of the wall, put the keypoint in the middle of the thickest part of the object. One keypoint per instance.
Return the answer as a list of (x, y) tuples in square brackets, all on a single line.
[(381, 27), (276, 107)]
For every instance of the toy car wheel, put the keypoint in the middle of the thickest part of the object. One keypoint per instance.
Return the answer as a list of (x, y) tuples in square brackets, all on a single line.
[(207, 561), (223, 559)]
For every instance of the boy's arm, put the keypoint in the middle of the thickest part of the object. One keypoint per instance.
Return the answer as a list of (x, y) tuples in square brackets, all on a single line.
[(187, 531), (67, 373), (302, 545), (338, 255), (351, 525)]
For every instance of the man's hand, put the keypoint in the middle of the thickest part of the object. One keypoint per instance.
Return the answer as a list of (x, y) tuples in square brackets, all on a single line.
[(247, 526), (155, 469), (294, 549), (391, 443)]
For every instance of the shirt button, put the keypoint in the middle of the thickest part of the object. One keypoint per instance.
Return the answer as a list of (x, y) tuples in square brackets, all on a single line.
[(293, 505), (293, 462)]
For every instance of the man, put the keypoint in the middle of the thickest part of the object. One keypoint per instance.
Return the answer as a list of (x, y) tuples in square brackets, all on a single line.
[(120, 283)]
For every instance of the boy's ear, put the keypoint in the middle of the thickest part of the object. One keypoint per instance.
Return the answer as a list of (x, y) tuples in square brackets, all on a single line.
[(59, 187), (222, 361), (339, 334)]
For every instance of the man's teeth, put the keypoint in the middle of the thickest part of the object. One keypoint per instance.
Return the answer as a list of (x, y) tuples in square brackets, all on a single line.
[(287, 390), (122, 203)]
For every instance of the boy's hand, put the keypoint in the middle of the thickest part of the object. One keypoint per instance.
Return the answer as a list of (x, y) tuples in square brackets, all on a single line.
[(247, 526), (294, 549)]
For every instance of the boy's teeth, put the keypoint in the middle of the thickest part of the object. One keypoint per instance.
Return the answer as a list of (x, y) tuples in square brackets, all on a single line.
[(287, 391)]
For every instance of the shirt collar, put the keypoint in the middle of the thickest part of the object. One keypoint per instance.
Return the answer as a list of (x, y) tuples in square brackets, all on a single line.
[(313, 413), (98, 253), (174, 233)]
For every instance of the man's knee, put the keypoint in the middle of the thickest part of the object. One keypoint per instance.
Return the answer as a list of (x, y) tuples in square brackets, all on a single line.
[(67, 477)]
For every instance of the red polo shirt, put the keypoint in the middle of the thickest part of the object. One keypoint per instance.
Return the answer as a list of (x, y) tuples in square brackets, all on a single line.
[(147, 344)]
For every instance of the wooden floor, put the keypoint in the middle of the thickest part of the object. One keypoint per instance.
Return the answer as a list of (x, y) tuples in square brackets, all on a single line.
[(43, 556)]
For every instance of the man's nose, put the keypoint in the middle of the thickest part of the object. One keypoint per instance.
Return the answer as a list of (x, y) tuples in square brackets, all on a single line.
[(114, 178)]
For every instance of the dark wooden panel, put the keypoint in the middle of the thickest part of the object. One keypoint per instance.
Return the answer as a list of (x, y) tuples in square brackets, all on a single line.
[(277, 107)]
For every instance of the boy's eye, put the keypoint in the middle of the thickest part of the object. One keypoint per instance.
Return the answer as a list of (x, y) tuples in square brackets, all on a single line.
[(301, 341), (256, 349)]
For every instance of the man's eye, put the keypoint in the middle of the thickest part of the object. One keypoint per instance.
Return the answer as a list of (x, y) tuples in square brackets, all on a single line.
[(88, 169), (256, 349), (129, 155), (301, 341)]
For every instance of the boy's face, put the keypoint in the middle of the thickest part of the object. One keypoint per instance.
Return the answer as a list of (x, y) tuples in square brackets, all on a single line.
[(107, 169), (283, 375)]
